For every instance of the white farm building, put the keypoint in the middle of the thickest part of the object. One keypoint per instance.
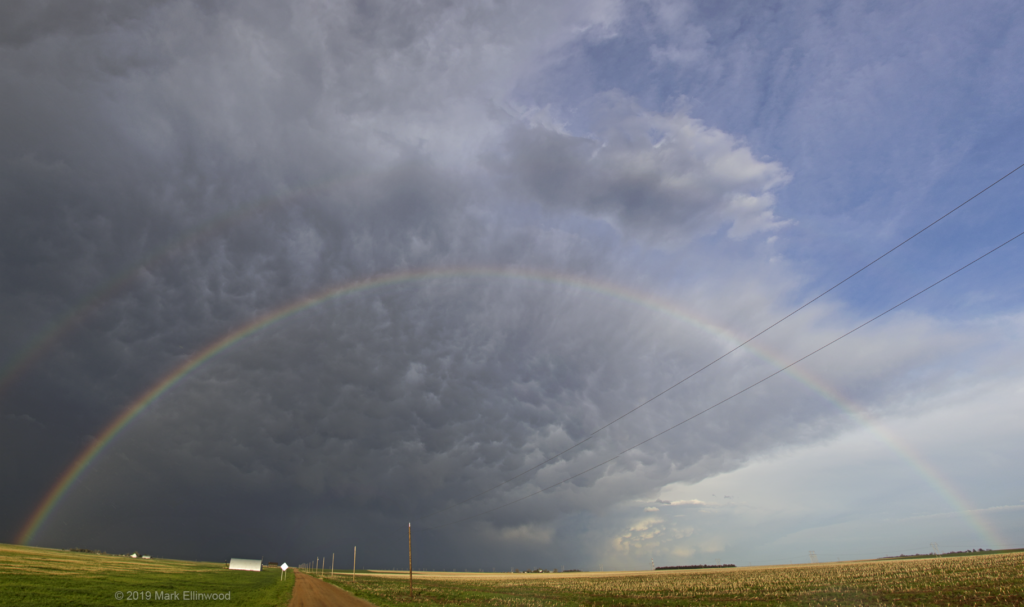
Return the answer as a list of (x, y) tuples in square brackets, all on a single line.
[(246, 564)]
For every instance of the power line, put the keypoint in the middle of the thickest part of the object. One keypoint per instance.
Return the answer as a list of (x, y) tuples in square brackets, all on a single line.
[(762, 380), (702, 369)]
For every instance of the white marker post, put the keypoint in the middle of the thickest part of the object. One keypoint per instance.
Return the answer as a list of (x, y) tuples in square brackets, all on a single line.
[(284, 570)]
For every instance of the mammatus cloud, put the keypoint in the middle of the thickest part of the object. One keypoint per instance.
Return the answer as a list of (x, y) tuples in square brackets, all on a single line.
[(172, 172)]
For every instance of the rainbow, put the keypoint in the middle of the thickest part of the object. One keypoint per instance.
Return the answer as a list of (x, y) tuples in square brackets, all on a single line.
[(68, 478), (946, 489)]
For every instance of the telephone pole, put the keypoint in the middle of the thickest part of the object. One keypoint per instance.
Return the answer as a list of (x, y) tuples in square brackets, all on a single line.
[(410, 561)]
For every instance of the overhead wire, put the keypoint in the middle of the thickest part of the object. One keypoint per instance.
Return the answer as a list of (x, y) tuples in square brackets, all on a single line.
[(705, 367), (734, 395)]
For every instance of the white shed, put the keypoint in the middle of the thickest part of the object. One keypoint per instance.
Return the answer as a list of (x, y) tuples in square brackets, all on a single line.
[(246, 564)]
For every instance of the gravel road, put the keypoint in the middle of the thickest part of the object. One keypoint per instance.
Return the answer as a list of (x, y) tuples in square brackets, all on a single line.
[(311, 592)]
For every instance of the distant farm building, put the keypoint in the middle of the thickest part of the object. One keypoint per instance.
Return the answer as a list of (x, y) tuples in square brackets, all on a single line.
[(246, 564)]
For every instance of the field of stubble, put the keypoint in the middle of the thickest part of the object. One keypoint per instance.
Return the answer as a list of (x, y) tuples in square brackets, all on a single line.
[(996, 579)]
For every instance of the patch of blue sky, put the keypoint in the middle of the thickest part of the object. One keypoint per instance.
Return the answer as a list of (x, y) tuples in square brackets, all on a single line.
[(886, 115)]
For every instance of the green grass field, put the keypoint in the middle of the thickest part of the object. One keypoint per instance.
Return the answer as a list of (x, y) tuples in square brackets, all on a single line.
[(41, 576), (990, 579)]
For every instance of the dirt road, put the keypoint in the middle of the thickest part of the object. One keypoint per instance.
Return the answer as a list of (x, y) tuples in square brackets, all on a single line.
[(311, 592)]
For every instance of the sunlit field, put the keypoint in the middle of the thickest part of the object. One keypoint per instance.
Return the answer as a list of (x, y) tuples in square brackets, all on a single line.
[(993, 579), (41, 576)]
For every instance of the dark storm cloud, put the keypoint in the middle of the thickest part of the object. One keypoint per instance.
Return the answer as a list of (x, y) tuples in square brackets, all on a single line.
[(430, 396), (176, 170), (171, 172)]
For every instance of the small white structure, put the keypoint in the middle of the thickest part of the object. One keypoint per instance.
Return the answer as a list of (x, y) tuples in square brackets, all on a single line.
[(246, 564), (146, 556)]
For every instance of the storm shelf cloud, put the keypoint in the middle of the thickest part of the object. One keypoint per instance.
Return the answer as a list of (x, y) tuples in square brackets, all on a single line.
[(352, 264)]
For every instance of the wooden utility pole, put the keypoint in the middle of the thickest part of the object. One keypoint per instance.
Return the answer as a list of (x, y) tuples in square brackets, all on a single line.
[(354, 563), (410, 561), (332, 564)]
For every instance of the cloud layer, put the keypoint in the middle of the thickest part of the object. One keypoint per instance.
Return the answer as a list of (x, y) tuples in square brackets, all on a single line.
[(172, 172)]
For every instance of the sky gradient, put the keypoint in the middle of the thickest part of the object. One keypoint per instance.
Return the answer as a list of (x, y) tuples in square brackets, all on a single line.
[(277, 279)]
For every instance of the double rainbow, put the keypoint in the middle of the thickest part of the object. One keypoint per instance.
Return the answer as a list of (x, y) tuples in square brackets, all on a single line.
[(68, 478)]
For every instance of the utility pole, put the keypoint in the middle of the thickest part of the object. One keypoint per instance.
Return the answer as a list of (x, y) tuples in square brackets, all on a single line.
[(332, 564), (354, 563), (410, 561)]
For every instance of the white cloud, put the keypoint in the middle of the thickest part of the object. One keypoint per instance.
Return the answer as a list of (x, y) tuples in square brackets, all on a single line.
[(667, 177), (849, 497)]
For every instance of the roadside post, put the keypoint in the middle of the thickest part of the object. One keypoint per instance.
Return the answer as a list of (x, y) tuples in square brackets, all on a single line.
[(410, 561)]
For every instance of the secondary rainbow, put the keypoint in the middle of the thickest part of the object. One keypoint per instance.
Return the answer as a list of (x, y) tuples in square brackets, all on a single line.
[(65, 482)]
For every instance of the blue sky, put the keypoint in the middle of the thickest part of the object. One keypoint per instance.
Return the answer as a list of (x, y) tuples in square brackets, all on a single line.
[(639, 188), (884, 114)]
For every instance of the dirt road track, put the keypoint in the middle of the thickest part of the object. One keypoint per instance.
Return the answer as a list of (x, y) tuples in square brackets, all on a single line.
[(311, 592)]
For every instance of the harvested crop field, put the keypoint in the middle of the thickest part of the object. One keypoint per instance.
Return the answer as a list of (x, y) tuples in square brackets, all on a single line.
[(996, 579)]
